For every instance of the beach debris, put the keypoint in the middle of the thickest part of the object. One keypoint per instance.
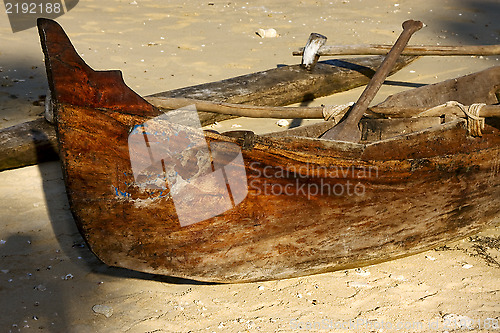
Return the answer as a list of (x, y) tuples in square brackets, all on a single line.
[(40, 287), (67, 276), (431, 258), (267, 33), (235, 126), (103, 309), (283, 123), (5, 271), (2, 242), (357, 284), (467, 266), (361, 272), (398, 277)]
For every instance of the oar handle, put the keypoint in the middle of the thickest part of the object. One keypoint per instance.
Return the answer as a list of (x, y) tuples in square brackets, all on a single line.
[(409, 28), (348, 129)]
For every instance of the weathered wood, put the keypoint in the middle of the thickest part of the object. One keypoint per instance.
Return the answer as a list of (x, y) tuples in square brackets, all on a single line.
[(240, 110), (410, 103), (311, 205), (381, 129), (28, 143), (415, 50), (275, 87)]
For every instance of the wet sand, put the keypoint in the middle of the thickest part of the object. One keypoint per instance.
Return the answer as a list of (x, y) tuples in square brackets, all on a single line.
[(49, 280)]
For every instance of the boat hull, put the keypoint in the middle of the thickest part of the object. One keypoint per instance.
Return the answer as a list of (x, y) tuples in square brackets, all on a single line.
[(307, 205), (312, 205)]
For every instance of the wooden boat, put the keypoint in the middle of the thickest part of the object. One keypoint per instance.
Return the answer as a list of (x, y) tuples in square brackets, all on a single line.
[(34, 142), (301, 205)]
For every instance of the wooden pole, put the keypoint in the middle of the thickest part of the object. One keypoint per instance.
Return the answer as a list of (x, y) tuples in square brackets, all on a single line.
[(241, 110), (415, 50), (252, 111)]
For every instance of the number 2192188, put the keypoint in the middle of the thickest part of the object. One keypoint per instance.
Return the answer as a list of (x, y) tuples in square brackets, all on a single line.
[(33, 8)]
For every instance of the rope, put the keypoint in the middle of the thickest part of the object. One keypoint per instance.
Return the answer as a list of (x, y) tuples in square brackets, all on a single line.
[(335, 112), (475, 124)]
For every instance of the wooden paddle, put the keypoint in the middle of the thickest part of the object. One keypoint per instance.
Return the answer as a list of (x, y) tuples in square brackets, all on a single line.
[(348, 130)]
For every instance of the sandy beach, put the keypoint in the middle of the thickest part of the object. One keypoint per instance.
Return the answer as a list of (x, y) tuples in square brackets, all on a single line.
[(51, 282)]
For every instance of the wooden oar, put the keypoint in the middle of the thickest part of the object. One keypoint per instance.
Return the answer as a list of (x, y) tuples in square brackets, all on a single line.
[(348, 130), (415, 50)]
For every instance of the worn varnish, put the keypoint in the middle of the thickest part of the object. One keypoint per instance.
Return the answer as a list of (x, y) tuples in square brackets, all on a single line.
[(335, 205)]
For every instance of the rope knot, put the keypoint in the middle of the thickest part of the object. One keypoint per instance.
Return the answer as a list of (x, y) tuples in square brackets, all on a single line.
[(335, 112), (475, 124)]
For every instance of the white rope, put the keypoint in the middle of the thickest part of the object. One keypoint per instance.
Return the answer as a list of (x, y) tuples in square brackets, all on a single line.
[(336, 112), (475, 124)]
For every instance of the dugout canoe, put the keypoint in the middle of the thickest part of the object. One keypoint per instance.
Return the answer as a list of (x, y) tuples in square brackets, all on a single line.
[(152, 195), (34, 142)]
